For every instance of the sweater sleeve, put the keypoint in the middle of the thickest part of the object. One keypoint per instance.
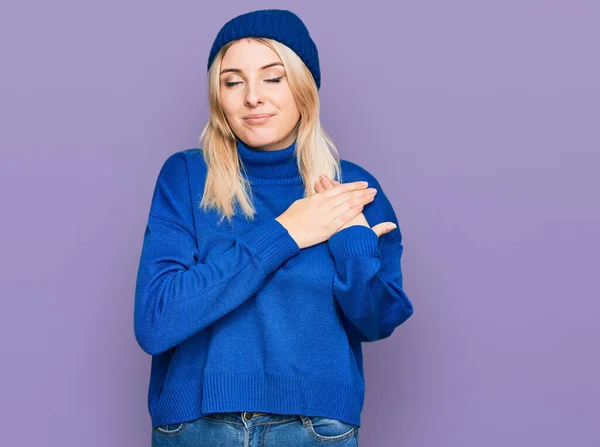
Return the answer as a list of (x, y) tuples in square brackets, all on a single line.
[(176, 294), (368, 277)]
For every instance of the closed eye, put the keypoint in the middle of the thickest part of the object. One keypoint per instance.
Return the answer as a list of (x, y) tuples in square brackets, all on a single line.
[(273, 80)]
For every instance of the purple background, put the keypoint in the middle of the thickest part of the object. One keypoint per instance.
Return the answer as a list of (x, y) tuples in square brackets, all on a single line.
[(481, 121)]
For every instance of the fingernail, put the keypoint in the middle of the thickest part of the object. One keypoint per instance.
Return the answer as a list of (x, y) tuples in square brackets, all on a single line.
[(392, 226)]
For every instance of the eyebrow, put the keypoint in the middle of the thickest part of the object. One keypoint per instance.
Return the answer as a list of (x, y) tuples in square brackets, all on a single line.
[(237, 70)]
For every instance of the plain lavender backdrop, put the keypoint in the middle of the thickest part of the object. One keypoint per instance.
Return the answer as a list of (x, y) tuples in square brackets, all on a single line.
[(481, 121)]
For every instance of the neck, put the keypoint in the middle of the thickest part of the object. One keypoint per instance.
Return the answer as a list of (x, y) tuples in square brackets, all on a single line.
[(269, 166)]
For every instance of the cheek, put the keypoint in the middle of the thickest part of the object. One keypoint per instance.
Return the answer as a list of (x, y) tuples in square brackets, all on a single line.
[(228, 104), (288, 105)]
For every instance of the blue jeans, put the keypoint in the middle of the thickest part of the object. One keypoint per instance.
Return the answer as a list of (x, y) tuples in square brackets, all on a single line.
[(246, 429)]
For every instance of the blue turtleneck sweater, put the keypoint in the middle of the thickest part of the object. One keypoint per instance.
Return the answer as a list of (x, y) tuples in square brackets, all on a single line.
[(238, 318)]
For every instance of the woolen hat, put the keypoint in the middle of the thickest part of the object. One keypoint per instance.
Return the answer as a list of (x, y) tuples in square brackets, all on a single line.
[(278, 24)]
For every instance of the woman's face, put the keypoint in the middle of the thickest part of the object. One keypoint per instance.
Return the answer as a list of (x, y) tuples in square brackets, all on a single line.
[(253, 81)]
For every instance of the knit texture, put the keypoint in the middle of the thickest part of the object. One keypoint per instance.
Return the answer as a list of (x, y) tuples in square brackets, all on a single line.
[(238, 318), (278, 24)]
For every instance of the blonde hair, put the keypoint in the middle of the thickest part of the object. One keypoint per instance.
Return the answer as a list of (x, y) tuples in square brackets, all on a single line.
[(316, 152)]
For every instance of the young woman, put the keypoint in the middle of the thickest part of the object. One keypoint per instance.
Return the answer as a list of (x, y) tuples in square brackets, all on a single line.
[(261, 271)]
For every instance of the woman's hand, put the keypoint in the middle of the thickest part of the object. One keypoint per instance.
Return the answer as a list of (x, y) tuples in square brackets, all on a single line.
[(324, 183), (314, 219)]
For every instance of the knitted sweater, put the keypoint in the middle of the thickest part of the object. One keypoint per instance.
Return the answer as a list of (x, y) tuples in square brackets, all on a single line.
[(238, 318)]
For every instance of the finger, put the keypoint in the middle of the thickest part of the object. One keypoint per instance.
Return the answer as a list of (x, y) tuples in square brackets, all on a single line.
[(335, 182), (383, 228), (319, 186), (349, 199), (345, 187), (326, 181)]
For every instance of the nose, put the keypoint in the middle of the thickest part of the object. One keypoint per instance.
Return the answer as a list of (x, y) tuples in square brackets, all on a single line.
[(253, 95)]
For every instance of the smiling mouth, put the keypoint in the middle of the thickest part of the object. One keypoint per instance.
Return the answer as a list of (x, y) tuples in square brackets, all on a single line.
[(258, 120)]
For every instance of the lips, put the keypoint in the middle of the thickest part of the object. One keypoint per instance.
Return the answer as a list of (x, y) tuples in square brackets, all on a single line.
[(258, 118)]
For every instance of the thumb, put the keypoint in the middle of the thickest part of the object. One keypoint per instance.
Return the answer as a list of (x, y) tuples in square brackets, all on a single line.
[(382, 228)]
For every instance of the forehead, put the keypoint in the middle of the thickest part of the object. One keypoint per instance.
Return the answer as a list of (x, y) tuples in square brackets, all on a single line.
[(248, 54)]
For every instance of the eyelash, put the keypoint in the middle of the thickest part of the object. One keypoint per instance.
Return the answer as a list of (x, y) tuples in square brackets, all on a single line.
[(274, 81)]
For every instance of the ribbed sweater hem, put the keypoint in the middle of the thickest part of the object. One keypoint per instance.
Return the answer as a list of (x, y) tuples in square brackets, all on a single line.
[(266, 393)]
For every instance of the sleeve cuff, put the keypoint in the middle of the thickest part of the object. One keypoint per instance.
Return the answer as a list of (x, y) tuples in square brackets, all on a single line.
[(272, 243), (356, 240)]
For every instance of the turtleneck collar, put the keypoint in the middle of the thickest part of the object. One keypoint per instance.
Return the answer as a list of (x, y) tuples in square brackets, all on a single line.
[(275, 166)]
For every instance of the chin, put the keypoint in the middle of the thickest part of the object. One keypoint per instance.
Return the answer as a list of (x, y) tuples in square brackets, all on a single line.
[(259, 140)]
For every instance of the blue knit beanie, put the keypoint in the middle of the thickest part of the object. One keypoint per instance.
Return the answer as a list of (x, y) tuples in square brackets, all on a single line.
[(278, 24)]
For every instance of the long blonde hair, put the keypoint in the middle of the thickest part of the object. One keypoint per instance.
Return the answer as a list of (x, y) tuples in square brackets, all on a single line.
[(316, 152)]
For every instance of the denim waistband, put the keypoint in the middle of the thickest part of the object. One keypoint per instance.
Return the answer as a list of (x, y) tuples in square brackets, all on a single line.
[(256, 418)]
